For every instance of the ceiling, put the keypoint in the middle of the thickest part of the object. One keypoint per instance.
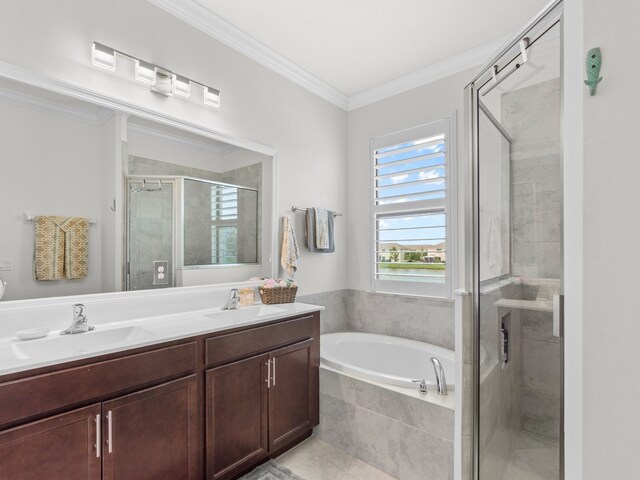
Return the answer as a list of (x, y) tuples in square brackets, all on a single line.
[(357, 46)]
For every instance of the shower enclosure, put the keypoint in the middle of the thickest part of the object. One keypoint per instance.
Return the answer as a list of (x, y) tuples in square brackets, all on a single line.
[(515, 106), (178, 223), (151, 235)]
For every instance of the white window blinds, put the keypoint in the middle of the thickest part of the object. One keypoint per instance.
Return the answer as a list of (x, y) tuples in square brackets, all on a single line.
[(410, 198), (224, 224)]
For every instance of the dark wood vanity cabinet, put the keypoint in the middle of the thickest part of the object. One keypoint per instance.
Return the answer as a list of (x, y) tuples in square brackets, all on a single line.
[(209, 407), (291, 399), (62, 446), (236, 413), (152, 434), (258, 406), (149, 434)]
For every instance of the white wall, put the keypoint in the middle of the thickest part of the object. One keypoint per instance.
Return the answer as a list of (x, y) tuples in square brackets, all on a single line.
[(141, 144), (611, 322), (573, 61), (308, 133), (238, 158), (428, 103), (50, 165), (110, 191)]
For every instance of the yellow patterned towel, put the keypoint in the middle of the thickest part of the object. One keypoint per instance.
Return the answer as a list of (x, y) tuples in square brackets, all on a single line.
[(76, 247), (61, 248)]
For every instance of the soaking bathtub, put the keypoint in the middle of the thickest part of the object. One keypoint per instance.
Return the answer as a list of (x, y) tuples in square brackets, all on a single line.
[(370, 408), (385, 359)]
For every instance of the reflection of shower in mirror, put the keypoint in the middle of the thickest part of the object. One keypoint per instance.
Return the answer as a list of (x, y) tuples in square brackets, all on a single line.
[(147, 186)]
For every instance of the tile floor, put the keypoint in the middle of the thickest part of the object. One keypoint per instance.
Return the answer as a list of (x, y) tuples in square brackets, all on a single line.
[(534, 458), (314, 459)]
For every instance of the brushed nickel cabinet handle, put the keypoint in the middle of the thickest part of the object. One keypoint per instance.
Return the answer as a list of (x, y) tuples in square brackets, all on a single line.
[(110, 430), (273, 371), (98, 435), (268, 380)]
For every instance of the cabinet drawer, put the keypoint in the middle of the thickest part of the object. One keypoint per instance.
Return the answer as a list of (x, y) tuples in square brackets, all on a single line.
[(233, 346), (33, 396)]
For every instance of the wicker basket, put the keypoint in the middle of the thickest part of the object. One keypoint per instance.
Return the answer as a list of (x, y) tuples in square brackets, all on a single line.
[(278, 295)]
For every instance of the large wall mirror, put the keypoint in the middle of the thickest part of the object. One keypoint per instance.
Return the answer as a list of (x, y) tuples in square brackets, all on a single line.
[(164, 206)]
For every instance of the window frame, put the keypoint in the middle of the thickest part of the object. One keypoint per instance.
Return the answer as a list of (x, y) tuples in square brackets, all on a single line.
[(219, 223), (446, 125)]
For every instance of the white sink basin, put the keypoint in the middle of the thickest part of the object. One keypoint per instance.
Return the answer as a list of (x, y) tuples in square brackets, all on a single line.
[(244, 314), (66, 345)]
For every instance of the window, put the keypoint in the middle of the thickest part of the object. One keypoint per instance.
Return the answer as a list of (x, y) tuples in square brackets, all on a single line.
[(411, 205), (224, 224)]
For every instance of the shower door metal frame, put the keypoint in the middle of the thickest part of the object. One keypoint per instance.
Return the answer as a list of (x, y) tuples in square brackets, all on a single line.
[(178, 265), (176, 213), (547, 17)]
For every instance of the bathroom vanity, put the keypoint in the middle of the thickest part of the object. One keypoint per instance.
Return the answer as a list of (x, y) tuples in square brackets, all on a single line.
[(208, 405)]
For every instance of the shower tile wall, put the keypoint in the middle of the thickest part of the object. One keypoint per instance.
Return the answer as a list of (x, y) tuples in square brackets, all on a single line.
[(197, 205), (148, 166), (532, 116), (417, 318), (197, 233), (500, 388)]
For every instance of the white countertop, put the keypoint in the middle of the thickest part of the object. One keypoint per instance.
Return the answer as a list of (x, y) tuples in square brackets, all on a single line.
[(20, 355)]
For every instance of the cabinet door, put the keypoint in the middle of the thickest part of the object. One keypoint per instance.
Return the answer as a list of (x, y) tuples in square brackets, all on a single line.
[(290, 395), (63, 446), (236, 410), (152, 434)]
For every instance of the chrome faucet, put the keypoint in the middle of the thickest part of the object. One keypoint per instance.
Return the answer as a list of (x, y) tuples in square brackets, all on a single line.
[(441, 380), (232, 303), (422, 385), (80, 322)]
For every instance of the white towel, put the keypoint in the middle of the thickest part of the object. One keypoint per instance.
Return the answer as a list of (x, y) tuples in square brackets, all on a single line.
[(322, 228), (290, 251)]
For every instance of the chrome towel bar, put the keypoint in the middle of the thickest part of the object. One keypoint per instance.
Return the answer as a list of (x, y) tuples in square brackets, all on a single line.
[(301, 209)]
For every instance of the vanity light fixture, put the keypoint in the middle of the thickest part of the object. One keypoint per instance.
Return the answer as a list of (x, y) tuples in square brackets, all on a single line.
[(103, 56), (212, 96), (145, 72), (162, 80), (181, 85)]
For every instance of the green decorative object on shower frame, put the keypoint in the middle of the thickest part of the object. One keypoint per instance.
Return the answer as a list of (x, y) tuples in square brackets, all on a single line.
[(593, 63)]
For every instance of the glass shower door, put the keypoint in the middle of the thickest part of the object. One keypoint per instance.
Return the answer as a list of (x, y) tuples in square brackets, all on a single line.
[(150, 227), (519, 262)]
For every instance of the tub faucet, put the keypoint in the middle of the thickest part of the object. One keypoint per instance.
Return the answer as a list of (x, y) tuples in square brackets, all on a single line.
[(441, 380), (232, 303), (422, 385), (80, 322)]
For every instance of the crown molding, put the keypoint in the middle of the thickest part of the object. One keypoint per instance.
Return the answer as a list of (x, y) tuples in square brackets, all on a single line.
[(32, 102), (450, 66), (198, 16), (162, 135), (203, 19)]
